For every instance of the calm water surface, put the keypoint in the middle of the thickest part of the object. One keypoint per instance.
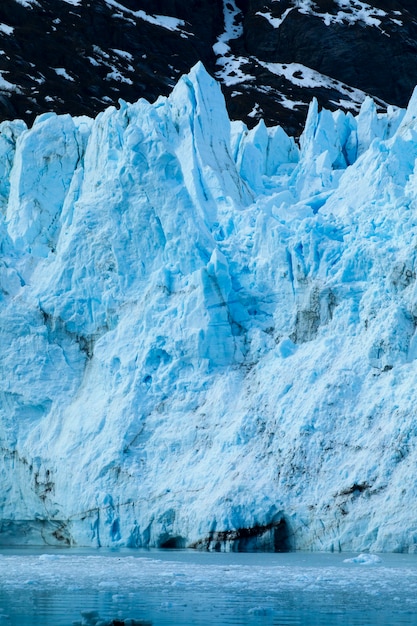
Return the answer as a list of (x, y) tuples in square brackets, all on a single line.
[(182, 588)]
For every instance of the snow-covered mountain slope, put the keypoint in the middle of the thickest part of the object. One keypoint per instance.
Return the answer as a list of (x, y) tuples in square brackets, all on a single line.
[(209, 333), (271, 57)]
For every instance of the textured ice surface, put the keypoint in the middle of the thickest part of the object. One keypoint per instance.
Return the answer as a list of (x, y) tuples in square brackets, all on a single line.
[(206, 329)]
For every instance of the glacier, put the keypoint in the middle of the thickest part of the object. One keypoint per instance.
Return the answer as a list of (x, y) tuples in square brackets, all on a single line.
[(209, 332)]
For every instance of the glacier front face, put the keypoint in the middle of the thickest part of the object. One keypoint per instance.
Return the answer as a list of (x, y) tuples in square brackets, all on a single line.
[(209, 333)]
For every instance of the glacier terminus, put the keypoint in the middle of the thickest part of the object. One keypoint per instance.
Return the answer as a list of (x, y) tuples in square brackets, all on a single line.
[(208, 333)]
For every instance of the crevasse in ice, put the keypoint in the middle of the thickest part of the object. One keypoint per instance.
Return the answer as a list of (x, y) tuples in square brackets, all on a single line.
[(208, 333)]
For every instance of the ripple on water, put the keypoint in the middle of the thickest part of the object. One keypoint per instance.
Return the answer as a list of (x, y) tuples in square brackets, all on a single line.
[(179, 588)]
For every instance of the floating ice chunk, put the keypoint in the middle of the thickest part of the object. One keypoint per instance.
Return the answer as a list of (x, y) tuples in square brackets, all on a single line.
[(263, 611), (364, 559), (49, 557)]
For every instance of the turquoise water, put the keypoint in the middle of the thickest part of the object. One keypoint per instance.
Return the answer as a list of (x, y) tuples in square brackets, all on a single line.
[(67, 587)]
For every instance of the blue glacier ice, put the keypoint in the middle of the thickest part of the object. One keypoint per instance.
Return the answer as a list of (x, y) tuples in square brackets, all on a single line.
[(208, 333)]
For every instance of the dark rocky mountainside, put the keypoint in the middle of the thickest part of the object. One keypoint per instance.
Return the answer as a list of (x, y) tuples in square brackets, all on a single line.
[(272, 57)]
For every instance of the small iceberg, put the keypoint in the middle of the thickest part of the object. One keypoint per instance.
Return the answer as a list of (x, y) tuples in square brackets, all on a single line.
[(364, 559)]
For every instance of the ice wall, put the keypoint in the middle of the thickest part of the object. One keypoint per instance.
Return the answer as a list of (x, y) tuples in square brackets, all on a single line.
[(208, 334)]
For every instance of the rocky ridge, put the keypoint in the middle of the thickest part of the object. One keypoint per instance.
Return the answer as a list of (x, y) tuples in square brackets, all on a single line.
[(272, 58)]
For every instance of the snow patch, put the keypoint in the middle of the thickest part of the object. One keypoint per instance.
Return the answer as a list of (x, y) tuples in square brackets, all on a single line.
[(61, 71), (164, 21), (5, 85), (118, 76), (349, 13), (6, 30), (123, 54), (275, 21), (28, 4), (231, 72), (303, 76)]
